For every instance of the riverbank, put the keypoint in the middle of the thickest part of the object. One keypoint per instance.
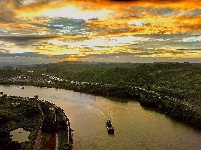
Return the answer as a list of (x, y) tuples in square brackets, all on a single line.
[(172, 107), (172, 89), (46, 125), (136, 127)]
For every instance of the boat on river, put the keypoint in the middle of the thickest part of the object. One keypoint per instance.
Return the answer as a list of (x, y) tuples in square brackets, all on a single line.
[(109, 127)]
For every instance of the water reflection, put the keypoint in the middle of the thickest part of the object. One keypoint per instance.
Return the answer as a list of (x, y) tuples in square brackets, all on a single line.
[(19, 135), (136, 128)]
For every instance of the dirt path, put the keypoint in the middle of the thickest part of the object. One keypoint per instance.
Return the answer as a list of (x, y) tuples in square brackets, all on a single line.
[(38, 138), (57, 142), (56, 135), (37, 142)]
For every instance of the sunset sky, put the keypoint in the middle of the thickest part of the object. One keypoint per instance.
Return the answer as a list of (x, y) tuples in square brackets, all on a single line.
[(100, 30)]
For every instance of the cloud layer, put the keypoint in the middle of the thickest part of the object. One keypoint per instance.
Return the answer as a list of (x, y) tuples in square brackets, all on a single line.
[(85, 29)]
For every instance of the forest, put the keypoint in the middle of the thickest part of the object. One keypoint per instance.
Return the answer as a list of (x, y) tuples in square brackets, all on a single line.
[(181, 80), (170, 88)]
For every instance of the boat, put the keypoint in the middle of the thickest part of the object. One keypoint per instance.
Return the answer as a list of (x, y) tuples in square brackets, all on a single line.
[(109, 127)]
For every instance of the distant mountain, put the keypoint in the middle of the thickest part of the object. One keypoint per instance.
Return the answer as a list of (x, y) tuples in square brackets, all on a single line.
[(16, 61)]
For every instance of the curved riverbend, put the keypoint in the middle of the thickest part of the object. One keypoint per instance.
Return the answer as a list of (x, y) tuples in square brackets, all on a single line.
[(136, 128)]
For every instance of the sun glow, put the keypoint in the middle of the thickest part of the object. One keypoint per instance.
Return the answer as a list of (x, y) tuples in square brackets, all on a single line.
[(73, 12), (69, 11), (101, 42)]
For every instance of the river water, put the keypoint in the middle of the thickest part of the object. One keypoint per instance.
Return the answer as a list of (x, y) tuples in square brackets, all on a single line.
[(136, 127), (19, 135)]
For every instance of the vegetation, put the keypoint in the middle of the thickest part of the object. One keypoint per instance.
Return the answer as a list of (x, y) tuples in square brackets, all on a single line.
[(17, 112), (180, 80), (32, 115), (171, 88)]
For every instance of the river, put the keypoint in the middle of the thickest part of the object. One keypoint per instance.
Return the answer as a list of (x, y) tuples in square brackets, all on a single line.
[(136, 127)]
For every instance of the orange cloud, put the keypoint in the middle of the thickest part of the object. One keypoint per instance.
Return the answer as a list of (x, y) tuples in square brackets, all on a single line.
[(112, 14), (86, 5), (110, 17), (188, 23)]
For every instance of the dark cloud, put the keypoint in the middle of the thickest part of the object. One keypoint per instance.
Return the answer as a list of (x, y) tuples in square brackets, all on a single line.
[(14, 61), (160, 11), (25, 40), (170, 12), (5, 53), (158, 41)]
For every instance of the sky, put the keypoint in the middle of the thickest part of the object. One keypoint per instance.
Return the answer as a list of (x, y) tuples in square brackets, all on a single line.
[(100, 30)]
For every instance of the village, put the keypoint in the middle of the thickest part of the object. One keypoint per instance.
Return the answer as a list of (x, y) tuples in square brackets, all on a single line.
[(173, 96)]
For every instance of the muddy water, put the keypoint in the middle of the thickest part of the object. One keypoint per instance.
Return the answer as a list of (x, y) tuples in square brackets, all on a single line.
[(19, 135), (136, 128)]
